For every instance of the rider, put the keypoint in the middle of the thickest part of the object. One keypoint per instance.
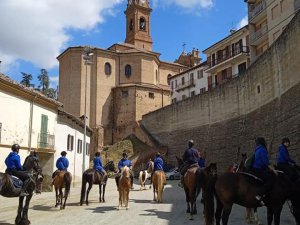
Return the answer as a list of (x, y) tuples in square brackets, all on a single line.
[(190, 158), (261, 168), (124, 162), (284, 162), (158, 165), (13, 164), (201, 161), (62, 164), (98, 167)]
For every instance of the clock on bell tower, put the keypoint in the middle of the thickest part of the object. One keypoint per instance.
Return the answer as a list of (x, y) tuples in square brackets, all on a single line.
[(138, 15)]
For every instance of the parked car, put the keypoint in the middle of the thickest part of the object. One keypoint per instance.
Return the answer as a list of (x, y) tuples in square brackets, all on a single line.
[(173, 174)]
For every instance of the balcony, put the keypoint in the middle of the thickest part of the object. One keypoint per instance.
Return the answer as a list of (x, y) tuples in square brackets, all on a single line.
[(188, 84), (237, 55), (259, 36), (46, 140), (257, 11)]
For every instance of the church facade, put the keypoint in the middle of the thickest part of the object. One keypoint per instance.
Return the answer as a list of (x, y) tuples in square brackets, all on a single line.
[(122, 83)]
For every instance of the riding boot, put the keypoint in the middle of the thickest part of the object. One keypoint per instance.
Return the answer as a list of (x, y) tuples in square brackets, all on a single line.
[(131, 182), (23, 191)]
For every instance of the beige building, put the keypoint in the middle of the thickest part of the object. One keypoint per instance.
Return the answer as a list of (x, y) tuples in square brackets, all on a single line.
[(227, 58), (267, 20), (122, 82)]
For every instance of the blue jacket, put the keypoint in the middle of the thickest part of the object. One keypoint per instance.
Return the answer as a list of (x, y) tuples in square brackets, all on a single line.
[(62, 163), (158, 163), (201, 162), (190, 156), (98, 163), (124, 162), (283, 155), (261, 160), (13, 161)]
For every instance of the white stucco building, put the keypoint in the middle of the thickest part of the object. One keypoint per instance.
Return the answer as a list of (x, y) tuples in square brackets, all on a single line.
[(189, 83)]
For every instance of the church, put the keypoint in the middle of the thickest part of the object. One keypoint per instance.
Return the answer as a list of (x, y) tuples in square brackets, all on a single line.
[(121, 83)]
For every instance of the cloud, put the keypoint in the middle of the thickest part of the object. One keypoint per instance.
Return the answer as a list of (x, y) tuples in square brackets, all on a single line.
[(190, 5), (37, 30), (243, 22)]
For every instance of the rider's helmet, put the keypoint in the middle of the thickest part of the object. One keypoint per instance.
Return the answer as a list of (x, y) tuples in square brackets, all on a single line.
[(190, 143), (124, 155), (15, 147)]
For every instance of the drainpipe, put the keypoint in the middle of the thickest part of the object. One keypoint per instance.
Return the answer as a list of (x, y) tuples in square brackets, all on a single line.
[(30, 122)]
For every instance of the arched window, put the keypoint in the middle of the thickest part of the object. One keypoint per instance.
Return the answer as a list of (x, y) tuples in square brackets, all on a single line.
[(127, 71), (156, 76), (142, 23), (168, 79), (107, 69), (131, 25)]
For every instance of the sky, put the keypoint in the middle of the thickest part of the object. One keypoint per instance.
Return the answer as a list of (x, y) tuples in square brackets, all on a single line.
[(35, 32)]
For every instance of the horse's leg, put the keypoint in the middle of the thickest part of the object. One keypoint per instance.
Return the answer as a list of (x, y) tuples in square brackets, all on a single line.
[(61, 195), (187, 199), (104, 186), (270, 214), (100, 191), (154, 192), (65, 197), (120, 199), (277, 212), (24, 220), (56, 197), (87, 193), (226, 213), (218, 213), (20, 209), (254, 216), (127, 199)]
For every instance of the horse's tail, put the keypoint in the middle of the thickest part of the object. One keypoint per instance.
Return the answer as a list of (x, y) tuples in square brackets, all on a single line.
[(83, 187), (68, 181), (160, 186), (209, 206)]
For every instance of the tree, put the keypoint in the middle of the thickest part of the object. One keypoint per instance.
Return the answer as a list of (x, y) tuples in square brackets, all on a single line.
[(26, 80), (44, 81), (51, 93)]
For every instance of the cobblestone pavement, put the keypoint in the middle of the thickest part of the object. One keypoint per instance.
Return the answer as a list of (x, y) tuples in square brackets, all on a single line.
[(143, 211)]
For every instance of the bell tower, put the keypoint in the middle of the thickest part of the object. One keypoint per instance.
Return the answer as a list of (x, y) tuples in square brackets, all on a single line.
[(138, 24)]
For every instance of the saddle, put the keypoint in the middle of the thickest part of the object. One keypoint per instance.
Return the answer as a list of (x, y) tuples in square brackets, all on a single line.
[(17, 182), (249, 175)]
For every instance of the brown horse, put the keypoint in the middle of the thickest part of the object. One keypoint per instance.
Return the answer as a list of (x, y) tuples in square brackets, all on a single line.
[(124, 187), (159, 180), (194, 180), (62, 180), (150, 172), (241, 189), (91, 177), (8, 189)]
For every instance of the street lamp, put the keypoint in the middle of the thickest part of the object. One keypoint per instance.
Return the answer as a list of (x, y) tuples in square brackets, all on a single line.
[(87, 57)]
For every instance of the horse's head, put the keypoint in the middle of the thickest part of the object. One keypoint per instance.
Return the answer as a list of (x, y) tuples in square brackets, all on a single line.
[(212, 169), (179, 161)]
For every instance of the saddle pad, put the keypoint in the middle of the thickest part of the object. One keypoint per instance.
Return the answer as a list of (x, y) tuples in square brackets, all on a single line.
[(252, 176), (16, 182)]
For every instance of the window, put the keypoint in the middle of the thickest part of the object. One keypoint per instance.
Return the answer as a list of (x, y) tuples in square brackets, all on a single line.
[(44, 131), (242, 67), (142, 24), (224, 74), (200, 74), (172, 85), (168, 78), (87, 150), (174, 100), (192, 78), (176, 84), (182, 80), (107, 69), (124, 94), (79, 146), (127, 71), (183, 97), (202, 90), (151, 95), (192, 93), (131, 25), (275, 12), (70, 143), (258, 89), (156, 76)]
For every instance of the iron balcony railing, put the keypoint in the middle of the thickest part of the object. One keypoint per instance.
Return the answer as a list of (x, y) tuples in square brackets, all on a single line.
[(228, 55), (256, 9), (46, 140), (187, 84), (259, 33)]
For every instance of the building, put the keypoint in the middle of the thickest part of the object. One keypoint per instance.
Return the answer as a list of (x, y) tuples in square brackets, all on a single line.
[(189, 83), (267, 20), (69, 132), (228, 58), (123, 82), (38, 124)]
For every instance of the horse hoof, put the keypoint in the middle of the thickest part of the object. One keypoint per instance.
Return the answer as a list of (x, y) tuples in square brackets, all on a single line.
[(191, 218), (188, 211)]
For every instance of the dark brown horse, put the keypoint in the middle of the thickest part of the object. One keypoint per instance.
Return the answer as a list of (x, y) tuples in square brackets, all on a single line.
[(91, 177), (62, 180), (8, 189), (241, 189), (195, 180)]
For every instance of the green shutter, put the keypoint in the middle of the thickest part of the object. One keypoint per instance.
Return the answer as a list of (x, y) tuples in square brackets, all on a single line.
[(43, 133)]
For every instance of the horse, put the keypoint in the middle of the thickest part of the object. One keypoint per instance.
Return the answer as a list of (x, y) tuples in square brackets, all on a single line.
[(91, 177), (62, 180), (8, 189), (194, 180), (124, 187), (150, 171), (241, 189), (143, 176), (159, 180)]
